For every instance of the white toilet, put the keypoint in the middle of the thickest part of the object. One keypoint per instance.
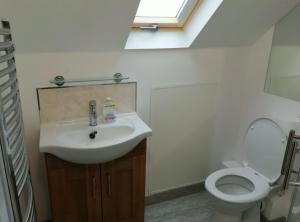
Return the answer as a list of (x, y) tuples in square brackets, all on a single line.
[(238, 191)]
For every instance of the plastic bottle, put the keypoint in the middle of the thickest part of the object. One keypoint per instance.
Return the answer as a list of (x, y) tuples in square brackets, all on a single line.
[(109, 111)]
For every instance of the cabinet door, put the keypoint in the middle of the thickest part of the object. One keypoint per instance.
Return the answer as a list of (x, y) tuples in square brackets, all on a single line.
[(75, 191), (123, 187)]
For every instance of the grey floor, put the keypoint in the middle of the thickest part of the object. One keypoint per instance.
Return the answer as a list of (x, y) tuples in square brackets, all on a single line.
[(191, 208)]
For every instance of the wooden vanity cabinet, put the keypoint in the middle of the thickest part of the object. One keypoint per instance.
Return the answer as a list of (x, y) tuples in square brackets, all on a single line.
[(108, 192), (74, 190), (123, 187)]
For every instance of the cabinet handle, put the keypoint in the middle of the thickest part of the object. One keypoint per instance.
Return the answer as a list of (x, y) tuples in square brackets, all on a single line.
[(108, 183), (94, 187)]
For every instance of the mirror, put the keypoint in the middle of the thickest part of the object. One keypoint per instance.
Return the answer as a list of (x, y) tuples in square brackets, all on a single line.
[(283, 77)]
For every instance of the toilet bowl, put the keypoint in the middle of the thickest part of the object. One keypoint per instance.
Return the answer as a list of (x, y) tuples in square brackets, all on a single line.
[(234, 191), (237, 192)]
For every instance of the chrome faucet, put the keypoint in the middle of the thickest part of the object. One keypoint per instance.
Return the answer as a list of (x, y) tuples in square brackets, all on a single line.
[(92, 113)]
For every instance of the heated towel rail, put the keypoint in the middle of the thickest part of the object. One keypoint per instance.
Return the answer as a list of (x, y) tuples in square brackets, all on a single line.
[(292, 149), (12, 133)]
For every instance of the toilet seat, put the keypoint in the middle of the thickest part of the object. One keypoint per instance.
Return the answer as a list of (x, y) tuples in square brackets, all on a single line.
[(238, 192), (264, 145), (260, 190)]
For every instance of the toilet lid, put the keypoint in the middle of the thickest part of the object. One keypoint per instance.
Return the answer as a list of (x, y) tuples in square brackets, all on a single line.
[(265, 144)]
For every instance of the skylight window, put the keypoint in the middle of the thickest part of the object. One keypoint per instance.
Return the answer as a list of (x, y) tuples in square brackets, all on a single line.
[(164, 13), (159, 8)]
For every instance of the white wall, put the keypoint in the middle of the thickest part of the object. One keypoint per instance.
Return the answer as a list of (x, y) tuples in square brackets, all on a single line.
[(229, 108), (283, 73), (250, 102), (149, 68), (182, 120), (240, 72), (245, 100), (255, 101)]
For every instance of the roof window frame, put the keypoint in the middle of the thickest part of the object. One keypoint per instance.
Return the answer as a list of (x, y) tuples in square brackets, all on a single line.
[(179, 21)]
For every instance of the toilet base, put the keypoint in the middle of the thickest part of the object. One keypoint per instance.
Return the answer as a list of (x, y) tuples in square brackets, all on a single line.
[(250, 215), (218, 216), (253, 214)]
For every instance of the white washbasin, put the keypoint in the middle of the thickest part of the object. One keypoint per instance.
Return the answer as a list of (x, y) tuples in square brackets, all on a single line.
[(70, 140)]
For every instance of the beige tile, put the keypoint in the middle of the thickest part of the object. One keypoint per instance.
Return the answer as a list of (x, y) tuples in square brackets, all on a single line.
[(69, 103)]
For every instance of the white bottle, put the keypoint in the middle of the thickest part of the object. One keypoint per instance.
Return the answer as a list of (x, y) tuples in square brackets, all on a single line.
[(109, 111)]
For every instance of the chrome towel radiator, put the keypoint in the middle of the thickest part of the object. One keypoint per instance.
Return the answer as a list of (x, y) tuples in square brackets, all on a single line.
[(14, 159), (292, 149)]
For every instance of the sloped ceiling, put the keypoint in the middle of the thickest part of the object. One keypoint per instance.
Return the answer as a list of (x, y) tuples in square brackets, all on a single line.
[(241, 22), (104, 25), (286, 32), (69, 25)]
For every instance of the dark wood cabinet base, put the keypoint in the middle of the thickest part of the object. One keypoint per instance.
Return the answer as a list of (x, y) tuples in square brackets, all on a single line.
[(108, 192)]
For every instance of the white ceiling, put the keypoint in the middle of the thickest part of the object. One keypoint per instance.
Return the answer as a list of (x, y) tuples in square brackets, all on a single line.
[(69, 25), (241, 22), (287, 31), (104, 25)]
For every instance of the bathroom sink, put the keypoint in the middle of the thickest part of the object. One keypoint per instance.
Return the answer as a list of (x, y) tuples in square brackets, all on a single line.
[(70, 140)]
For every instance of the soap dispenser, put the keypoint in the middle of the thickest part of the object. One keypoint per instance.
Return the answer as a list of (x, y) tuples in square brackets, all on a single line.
[(109, 111)]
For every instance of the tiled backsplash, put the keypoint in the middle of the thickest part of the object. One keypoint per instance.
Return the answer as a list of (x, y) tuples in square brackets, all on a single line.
[(69, 103)]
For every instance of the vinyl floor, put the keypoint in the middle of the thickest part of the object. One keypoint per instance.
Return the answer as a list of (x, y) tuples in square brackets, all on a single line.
[(192, 208)]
